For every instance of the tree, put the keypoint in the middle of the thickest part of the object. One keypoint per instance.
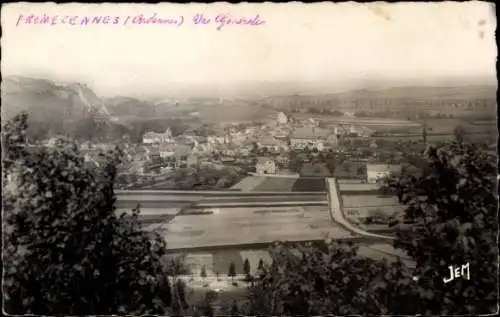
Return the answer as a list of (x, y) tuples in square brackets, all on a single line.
[(179, 303), (459, 132), (329, 279), (232, 270), (66, 251), (294, 164), (203, 273), (261, 264), (38, 130), (451, 219), (246, 267), (234, 309), (177, 266), (205, 307)]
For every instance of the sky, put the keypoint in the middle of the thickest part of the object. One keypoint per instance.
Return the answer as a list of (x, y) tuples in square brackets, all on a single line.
[(298, 48)]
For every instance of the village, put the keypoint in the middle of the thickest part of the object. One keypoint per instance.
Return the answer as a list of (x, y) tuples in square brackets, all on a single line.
[(281, 146)]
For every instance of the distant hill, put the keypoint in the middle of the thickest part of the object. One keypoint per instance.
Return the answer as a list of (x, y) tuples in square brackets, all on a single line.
[(424, 93), (75, 110), (127, 106), (47, 101), (410, 93), (54, 108)]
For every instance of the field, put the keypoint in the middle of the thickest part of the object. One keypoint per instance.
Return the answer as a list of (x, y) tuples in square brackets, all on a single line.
[(346, 186), (302, 184), (249, 183), (474, 137), (362, 206), (368, 121), (448, 125), (250, 225), (369, 201), (276, 184), (309, 185), (237, 113), (281, 184), (359, 207)]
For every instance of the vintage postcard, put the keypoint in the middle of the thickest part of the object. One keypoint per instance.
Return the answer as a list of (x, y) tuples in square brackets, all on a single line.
[(249, 159)]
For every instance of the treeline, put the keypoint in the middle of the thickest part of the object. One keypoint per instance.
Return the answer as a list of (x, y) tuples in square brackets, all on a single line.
[(90, 128)]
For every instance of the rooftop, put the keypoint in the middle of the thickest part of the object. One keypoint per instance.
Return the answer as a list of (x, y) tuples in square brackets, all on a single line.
[(182, 150), (264, 160)]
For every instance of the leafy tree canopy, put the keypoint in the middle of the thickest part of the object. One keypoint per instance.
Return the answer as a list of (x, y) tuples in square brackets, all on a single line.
[(450, 218), (66, 251)]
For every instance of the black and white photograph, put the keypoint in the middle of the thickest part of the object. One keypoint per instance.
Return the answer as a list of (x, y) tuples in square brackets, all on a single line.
[(273, 159)]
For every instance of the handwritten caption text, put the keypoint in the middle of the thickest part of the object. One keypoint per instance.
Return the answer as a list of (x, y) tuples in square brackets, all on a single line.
[(220, 20)]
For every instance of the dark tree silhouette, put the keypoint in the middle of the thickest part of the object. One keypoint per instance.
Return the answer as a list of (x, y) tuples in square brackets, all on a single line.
[(235, 309), (66, 251), (459, 132), (261, 264), (451, 219), (203, 273), (179, 303), (232, 270), (246, 267)]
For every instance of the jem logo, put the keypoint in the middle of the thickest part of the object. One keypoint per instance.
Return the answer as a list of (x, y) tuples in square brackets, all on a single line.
[(457, 271)]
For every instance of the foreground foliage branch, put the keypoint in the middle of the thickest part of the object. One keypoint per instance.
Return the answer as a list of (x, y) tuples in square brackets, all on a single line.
[(450, 219), (330, 279), (66, 250)]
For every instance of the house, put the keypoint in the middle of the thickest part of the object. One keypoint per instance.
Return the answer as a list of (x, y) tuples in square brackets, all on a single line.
[(311, 137), (282, 118), (167, 149), (360, 131), (250, 130), (270, 143), (243, 151), (227, 151), (192, 160), (216, 139), (375, 172), (282, 160), (332, 140), (339, 130), (202, 148), (265, 165), (311, 122), (185, 140), (181, 155), (153, 138)]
